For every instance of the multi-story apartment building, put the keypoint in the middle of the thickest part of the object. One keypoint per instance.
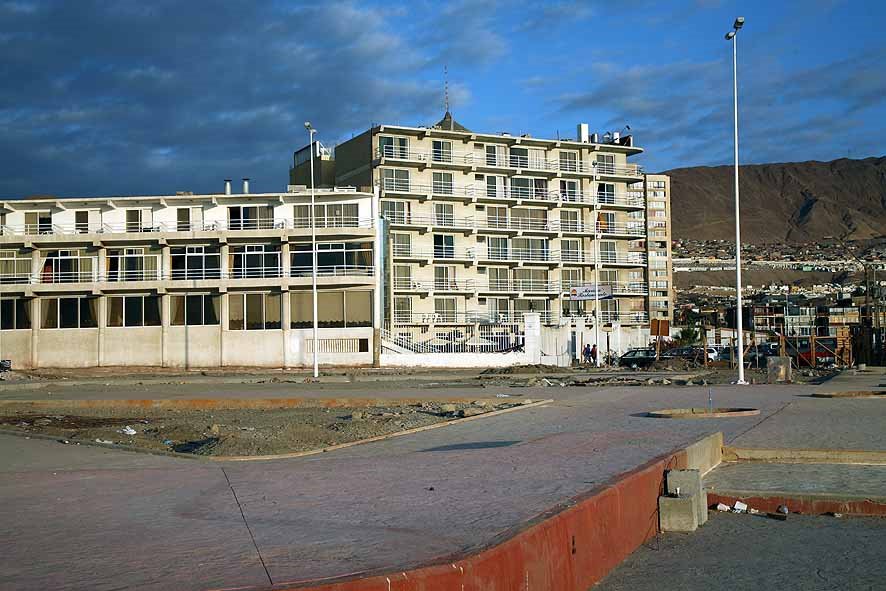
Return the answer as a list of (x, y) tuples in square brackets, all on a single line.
[(188, 280), (657, 194), (484, 227)]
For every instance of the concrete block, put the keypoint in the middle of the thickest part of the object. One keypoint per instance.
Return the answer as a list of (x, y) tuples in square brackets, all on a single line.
[(689, 483), (678, 513), (778, 369), (705, 454)]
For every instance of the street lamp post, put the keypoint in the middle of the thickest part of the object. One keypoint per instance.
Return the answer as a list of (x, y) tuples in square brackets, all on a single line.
[(311, 132), (731, 36)]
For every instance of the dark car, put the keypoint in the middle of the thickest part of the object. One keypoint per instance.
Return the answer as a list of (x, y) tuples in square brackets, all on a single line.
[(689, 353), (637, 358)]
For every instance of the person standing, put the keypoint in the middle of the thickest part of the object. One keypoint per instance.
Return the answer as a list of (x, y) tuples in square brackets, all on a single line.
[(593, 354), (586, 353)]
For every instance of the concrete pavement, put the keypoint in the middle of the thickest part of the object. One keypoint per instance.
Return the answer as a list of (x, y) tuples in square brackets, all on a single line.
[(77, 517)]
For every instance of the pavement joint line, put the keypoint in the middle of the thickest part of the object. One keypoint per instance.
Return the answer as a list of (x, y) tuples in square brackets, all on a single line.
[(860, 457), (297, 454), (249, 529), (760, 422)]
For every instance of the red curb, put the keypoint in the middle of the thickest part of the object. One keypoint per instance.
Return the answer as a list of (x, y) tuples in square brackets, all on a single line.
[(802, 504), (571, 547)]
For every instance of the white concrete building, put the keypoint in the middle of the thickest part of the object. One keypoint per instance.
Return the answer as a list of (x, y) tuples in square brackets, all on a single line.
[(188, 280)]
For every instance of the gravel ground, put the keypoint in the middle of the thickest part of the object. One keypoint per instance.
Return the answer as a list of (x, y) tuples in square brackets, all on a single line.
[(226, 432), (746, 552)]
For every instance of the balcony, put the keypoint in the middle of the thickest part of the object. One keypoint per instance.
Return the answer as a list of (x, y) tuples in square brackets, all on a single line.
[(437, 190), (634, 229), (541, 255), (434, 285), (146, 267), (521, 285), (437, 253), (438, 157), (437, 220), (519, 194), (613, 170), (403, 317), (630, 259), (333, 271)]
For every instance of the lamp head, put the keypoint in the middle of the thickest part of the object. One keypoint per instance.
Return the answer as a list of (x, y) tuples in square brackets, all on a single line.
[(308, 125), (730, 35), (739, 23)]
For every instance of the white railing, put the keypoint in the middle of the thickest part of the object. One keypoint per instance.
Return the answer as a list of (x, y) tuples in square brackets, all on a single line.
[(333, 271), (485, 338), (619, 258), (254, 272), (435, 189), (522, 254), (205, 226), (436, 156), (428, 285), (439, 252), (516, 285), (631, 170), (469, 317), (521, 193), (438, 219), (620, 228)]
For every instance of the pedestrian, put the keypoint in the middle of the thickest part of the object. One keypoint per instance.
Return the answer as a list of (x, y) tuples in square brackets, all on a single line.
[(586, 353), (594, 354)]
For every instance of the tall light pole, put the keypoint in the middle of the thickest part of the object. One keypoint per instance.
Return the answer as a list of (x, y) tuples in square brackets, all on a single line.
[(732, 35), (311, 132)]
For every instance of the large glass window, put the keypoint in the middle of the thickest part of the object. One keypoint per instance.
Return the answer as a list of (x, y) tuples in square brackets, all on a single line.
[(328, 215), (15, 266), (195, 262), (255, 261), (250, 217), (395, 211), (445, 309), (38, 222), (69, 312), (393, 147), (133, 311), (441, 151), (333, 258), (442, 183), (444, 246), (254, 311), (395, 179), (195, 309), (132, 264), (15, 313), (335, 309)]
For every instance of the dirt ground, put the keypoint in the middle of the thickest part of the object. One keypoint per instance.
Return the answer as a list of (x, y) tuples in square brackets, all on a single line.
[(233, 432)]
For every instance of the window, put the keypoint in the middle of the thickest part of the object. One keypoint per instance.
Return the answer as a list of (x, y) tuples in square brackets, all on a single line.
[(333, 258), (335, 309), (529, 219), (519, 158), (15, 313), (497, 247), (495, 155), (498, 278), (442, 183), (254, 311), (445, 309), (569, 221), (195, 262), (444, 246), (656, 205), (255, 260), (401, 244), (87, 221), (530, 249), (133, 311), (139, 220), (605, 164), (608, 252), (15, 267), (530, 279), (38, 222), (402, 277), (497, 217), (569, 161), (605, 221), (605, 193), (444, 278), (569, 191), (328, 215), (189, 219), (68, 266), (527, 188), (250, 217), (132, 264), (393, 147), (444, 214), (496, 186), (395, 211), (195, 309), (395, 179), (657, 184), (441, 151), (403, 309), (570, 250), (570, 278), (69, 312)]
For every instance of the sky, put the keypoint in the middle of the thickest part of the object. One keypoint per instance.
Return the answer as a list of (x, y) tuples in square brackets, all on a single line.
[(130, 97)]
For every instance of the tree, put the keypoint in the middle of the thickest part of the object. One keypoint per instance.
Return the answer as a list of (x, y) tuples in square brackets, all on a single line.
[(688, 336)]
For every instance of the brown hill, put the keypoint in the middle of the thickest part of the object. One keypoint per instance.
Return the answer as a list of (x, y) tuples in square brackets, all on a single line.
[(793, 201)]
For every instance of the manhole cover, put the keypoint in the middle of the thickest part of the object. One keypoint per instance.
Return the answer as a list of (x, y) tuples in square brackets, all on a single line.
[(703, 413)]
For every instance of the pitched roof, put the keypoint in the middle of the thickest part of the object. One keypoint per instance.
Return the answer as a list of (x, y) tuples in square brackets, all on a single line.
[(450, 124)]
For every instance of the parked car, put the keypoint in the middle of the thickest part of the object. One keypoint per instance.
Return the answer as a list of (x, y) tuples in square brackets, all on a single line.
[(637, 358)]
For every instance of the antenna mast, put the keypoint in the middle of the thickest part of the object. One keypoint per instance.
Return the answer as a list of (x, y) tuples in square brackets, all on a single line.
[(445, 88)]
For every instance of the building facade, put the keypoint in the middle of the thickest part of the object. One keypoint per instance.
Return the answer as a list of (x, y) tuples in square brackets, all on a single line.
[(189, 280), (487, 227)]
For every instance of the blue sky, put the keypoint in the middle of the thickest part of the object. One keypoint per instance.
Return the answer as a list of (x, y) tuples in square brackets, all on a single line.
[(137, 97)]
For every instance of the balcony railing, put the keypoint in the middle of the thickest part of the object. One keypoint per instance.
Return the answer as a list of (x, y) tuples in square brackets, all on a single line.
[(255, 272), (620, 258), (145, 267), (437, 156), (435, 189), (631, 170), (621, 229), (204, 226), (469, 317), (437, 285), (521, 254), (333, 271)]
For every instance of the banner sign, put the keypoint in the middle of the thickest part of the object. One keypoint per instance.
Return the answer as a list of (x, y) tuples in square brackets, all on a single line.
[(590, 292)]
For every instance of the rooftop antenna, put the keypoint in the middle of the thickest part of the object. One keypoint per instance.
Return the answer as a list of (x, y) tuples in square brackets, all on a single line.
[(445, 88)]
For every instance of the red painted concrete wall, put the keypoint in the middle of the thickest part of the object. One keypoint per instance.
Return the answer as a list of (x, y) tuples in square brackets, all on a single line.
[(568, 550)]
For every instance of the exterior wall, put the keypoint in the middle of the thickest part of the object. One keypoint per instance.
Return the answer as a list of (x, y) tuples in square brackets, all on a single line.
[(353, 161), (472, 224)]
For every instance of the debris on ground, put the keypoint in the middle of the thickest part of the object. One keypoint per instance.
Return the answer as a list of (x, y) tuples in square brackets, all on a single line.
[(722, 507), (739, 507), (240, 431)]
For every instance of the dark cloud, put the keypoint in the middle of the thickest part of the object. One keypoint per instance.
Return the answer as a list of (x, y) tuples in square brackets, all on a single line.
[(134, 97)]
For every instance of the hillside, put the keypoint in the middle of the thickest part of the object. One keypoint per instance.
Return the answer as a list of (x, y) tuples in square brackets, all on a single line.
[(794, 201)]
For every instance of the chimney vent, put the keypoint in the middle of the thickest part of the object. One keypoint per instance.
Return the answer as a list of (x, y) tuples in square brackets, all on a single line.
[(582, 132), (246, 185), (227, 186)]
